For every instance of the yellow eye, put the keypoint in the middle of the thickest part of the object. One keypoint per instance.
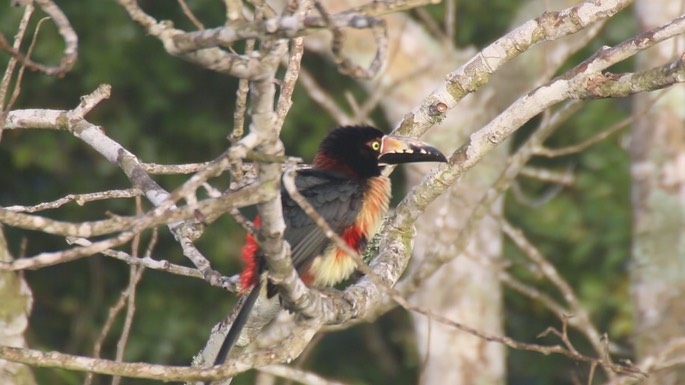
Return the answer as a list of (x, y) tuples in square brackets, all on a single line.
[(376, 146)]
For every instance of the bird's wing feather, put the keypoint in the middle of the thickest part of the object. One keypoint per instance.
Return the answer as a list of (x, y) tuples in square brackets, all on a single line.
[(335, 198)]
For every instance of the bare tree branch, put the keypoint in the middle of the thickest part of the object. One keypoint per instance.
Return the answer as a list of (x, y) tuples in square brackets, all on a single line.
[(68, 34), (298, 375), (476, 72), (125, 369), (79, 199)]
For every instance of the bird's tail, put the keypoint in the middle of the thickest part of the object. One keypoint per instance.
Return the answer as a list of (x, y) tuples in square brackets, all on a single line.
[(238, 324)]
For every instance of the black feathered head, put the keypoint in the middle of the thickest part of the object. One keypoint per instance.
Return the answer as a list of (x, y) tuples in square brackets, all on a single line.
[(362, 151)]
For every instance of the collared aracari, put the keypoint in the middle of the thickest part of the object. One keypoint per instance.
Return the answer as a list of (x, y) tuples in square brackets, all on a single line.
[(346, 188)]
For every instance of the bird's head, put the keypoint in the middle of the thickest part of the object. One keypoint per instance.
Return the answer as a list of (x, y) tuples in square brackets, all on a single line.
[(363, 151)]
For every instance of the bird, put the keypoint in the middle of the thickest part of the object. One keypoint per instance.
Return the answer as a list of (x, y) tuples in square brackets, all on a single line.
[(346, 187)]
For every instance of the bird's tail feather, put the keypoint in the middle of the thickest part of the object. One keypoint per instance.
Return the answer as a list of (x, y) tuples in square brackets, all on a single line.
[(238, 324)]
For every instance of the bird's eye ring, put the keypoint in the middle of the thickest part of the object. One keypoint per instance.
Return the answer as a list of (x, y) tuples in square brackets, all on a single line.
[(375, 145)]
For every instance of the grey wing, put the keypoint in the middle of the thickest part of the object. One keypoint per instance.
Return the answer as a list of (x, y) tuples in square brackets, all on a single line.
[(335, 199)]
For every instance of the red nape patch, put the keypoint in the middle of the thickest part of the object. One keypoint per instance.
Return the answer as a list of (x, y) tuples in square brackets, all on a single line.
[(327, 163), (248, 277)]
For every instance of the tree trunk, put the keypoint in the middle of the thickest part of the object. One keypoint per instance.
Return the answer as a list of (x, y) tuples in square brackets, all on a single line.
[(657, 153), (462, 290), (16, 300), (465, 289)]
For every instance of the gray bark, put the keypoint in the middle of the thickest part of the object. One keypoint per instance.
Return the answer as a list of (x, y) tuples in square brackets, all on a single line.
[(462, 290), (465, 289), (657, 154), (16, 300)]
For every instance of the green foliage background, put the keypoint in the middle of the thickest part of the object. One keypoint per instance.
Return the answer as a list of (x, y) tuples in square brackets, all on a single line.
[(169, 111)]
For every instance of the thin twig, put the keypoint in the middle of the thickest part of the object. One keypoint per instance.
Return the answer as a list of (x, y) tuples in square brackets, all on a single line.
[(79, 199), (614, 128), (228, 283), (345, 66), (11, 65), (136, 273), (323, 98), (580, 314), (299, 375), (241, 101), (541, 199), (20, 75), (289, 80), (68, 35), (450, 21), (190, 16), (104, 332), (431, 25), (565, 178)]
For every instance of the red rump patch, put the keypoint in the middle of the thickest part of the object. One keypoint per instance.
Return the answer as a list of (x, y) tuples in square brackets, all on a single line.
[(352, 236), (248, 277), (307, 278)]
